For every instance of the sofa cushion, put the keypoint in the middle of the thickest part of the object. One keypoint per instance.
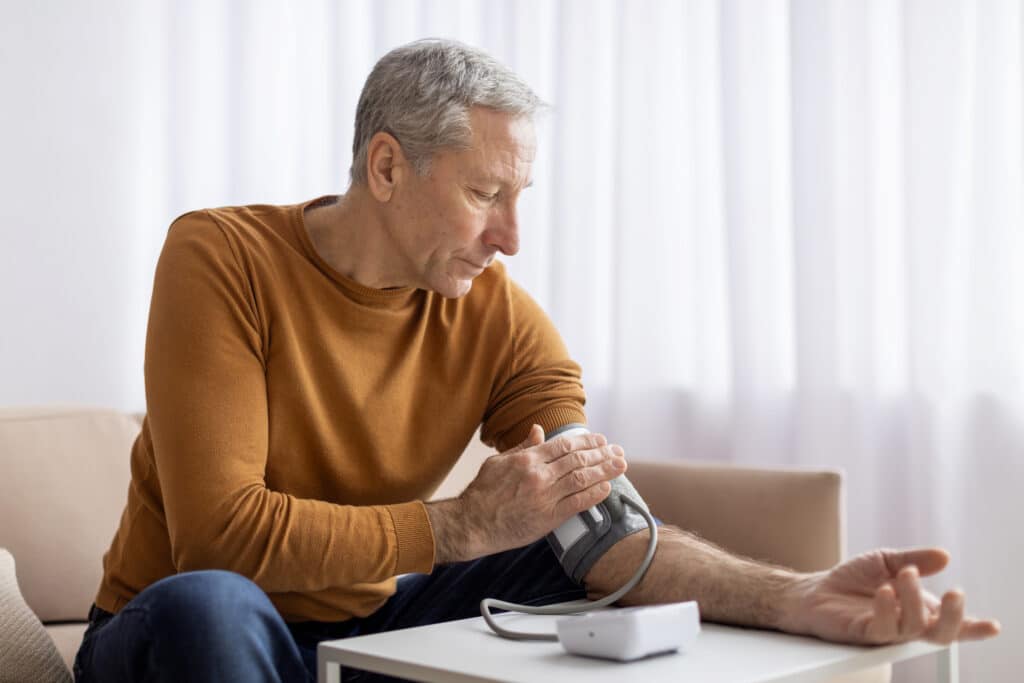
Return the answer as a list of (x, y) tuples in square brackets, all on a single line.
[(26, 651), (64, 476)]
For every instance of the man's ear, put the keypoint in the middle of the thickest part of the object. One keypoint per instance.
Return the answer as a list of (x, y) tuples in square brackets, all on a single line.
[(386, 165)]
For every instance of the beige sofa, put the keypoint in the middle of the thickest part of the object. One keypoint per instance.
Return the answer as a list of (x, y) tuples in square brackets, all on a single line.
[(64, 476)]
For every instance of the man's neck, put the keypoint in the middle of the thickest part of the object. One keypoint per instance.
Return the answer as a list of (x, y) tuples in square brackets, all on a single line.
[(353, 239)]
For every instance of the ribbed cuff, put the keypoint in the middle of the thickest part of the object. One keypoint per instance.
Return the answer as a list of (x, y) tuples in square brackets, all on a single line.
[(415, 537), (549, 419)]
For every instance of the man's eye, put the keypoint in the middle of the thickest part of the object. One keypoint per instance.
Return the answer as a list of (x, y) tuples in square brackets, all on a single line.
[(485, 196)]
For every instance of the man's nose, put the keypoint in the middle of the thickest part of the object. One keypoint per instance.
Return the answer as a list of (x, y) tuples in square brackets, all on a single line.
[(503, 232)]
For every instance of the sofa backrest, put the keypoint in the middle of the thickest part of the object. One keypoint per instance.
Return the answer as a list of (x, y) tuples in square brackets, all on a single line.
[(64, 476)]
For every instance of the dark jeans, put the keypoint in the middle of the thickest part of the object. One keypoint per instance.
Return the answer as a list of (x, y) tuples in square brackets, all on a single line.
[(219, 626)]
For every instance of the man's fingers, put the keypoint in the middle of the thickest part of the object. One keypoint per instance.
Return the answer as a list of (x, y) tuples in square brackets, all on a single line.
[(978, 629), (951, 615), (555, 449), (913, 617), (585, 477), (885, 626), (927, 560), (582, 500), (580, 459), (953, 625)]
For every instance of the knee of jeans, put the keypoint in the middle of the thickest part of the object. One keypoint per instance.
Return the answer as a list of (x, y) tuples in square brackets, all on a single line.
[(208, 597)]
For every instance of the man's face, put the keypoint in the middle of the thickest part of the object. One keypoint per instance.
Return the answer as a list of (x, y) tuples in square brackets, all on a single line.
[(451, 222)]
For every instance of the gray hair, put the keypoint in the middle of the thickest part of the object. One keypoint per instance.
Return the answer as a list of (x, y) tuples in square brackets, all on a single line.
[(421, 93)]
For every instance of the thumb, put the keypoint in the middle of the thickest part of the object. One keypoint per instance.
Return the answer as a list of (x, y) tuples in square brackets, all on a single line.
[(927, 560), (534, 438)]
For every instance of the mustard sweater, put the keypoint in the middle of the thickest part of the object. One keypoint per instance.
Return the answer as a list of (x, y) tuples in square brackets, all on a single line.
[(297, 420)]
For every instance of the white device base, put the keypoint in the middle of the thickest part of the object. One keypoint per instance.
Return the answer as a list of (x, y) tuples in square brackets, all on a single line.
[(631, 632)]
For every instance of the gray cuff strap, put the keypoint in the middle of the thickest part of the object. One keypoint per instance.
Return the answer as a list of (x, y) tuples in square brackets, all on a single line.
[(607, 523)]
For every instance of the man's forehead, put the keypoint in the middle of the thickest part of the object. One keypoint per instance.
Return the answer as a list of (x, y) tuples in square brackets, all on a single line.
[(499, 171), (500, 146)]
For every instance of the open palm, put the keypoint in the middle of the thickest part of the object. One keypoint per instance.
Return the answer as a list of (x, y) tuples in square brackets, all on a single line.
[(877, 598)]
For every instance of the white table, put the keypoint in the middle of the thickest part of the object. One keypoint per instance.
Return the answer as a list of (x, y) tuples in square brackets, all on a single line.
[(467, 652)]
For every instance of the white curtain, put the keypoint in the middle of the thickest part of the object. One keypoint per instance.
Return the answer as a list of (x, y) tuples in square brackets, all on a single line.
[(772, 232)]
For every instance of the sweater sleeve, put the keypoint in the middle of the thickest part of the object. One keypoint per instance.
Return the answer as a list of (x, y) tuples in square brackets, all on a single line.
[(541, 384), (207, 409)]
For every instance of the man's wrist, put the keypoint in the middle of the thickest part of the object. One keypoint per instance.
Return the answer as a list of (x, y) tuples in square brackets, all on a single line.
[(792, 612), (454, 537)]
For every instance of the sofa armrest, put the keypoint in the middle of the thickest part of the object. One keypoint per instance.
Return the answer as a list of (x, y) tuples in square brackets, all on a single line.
[(788, 517), (64, 475)]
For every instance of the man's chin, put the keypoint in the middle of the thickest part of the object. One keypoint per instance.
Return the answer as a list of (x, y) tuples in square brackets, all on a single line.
[(455, 289)]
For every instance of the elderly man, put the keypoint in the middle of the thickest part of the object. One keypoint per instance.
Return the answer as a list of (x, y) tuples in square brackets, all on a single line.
[(314, 371)]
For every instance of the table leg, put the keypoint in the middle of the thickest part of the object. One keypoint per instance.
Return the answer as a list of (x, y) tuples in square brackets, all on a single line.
[(330, 672), (949, 665)]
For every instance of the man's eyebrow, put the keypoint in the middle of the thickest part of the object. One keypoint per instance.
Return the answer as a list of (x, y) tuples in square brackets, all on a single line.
[(495, 180)]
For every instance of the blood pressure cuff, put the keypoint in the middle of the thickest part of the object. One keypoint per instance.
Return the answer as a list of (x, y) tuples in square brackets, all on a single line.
[(584, 538)]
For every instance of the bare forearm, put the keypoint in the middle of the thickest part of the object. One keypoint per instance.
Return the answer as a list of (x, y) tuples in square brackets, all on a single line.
[(729, 589)]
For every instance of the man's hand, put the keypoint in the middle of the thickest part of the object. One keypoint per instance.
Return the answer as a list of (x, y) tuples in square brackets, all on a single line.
[(522, 494), (876, 598)]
